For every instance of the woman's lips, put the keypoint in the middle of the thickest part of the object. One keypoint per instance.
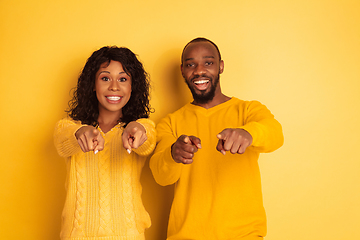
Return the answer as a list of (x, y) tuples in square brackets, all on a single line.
[(113, 99)]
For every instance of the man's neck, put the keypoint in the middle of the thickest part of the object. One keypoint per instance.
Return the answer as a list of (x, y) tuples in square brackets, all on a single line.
[(219, 99)]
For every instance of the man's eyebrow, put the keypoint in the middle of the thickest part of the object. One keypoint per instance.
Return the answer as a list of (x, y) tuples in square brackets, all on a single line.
[(187, 59)]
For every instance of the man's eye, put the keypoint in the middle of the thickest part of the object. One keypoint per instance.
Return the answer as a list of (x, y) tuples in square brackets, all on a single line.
[(105, 79), (189, 64), (208, 63)]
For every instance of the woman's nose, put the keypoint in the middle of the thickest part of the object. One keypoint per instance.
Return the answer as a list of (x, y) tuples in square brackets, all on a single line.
[(114, 86)]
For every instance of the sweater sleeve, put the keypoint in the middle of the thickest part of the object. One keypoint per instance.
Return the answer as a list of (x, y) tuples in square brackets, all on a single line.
[(64, 137), (264, 128), (149, 145), (164, 169)]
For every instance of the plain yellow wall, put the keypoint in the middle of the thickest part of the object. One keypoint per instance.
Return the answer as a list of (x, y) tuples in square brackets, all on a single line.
[(300, 58)]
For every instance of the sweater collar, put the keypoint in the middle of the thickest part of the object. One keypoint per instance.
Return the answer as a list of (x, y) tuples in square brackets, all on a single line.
[(193, 107)]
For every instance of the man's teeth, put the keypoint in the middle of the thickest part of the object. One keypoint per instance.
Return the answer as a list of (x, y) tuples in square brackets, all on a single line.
[(113, 98), (201, 81)]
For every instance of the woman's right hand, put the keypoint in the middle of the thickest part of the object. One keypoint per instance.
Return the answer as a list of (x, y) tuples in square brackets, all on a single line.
[(89, 139)]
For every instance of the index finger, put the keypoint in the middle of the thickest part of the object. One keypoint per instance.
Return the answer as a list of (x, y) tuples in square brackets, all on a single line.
[(220, 146), (99, 144), (126, 138)]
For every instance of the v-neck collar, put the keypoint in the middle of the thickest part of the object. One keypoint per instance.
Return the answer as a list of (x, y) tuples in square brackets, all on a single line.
[(117, 126), (209, 111)]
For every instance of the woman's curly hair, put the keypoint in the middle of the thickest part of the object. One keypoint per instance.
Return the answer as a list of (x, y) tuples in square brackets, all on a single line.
[(84, 104)]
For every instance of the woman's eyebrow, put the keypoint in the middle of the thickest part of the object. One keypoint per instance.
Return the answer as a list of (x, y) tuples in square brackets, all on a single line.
[(110, 73)]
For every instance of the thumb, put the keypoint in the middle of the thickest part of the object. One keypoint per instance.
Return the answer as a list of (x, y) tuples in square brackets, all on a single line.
[(133, 131), (184, 139), (196, 141), (95, 133), (223, 134)]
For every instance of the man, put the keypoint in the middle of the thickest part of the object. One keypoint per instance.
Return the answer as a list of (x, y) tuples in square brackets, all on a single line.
[(209, 148)]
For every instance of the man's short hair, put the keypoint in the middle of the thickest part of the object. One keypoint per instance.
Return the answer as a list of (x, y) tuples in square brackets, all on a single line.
[(200, 39)]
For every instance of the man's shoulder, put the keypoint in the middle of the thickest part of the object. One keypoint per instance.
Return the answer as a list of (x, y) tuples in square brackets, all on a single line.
[(180, 111), (175, 115), (236, 102), (244, 103)]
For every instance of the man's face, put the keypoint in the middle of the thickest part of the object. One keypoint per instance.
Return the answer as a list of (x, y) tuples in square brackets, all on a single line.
[(201, 69)]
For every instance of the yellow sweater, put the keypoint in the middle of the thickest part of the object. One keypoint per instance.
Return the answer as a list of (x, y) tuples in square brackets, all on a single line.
[(217, 196), (103, 190)]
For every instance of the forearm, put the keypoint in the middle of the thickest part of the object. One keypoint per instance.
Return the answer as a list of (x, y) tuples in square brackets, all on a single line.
[(163, 167), (265, 130), (64, 138), (267, 135)]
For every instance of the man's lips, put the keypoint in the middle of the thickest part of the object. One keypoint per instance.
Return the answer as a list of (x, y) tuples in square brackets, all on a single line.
[(201, 83), (198, 82)]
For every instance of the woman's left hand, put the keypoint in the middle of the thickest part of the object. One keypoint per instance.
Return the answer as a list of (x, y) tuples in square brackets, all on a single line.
[(134, 136)]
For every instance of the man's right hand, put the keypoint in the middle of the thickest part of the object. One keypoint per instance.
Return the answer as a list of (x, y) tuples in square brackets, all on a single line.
[(183, 150)]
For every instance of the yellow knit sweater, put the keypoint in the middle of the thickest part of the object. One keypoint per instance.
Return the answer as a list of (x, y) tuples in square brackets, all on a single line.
[(103, 190), (217, 196)]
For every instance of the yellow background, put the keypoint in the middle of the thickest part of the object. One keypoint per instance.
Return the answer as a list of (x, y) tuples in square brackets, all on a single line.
[(300, 58)]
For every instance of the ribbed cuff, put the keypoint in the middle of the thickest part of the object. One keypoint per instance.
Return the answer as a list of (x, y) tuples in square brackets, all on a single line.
[(141, 236), (149, 145)]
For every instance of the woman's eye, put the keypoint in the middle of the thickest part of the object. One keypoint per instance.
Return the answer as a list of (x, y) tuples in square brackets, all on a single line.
[(122, 80), (105, 79)]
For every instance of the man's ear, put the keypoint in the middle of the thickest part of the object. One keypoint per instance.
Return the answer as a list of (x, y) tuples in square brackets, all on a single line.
[(181, 69), (221, 68)]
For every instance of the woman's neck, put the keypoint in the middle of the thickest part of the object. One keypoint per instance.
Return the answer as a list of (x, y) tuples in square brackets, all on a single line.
[(108, 120)]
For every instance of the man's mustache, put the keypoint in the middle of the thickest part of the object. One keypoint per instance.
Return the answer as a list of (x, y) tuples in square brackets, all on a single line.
[(200, 76)]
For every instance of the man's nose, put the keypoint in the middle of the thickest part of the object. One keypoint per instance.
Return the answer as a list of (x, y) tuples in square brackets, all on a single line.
[(199, 70)]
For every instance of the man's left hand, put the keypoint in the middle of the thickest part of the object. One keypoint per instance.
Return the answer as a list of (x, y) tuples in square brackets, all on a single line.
[(235, 140)]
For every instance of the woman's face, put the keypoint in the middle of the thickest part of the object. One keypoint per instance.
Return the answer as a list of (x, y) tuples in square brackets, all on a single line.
[(113, 88)]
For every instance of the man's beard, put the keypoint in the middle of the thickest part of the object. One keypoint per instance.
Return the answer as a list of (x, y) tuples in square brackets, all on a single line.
[(204, 97)]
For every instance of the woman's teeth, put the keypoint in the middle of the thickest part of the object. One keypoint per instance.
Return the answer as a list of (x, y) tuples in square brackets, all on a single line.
[(113, 98)]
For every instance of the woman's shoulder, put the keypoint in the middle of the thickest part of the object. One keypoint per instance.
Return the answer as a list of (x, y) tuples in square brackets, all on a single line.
[(68, 121)]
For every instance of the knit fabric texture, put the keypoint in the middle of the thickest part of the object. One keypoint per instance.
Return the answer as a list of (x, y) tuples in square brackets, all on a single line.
[(103, 198)]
